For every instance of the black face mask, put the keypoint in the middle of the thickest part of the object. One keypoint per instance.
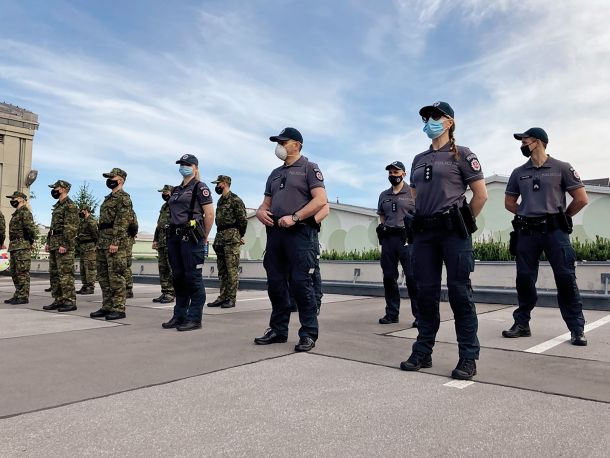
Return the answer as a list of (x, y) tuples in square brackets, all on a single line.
[(218, 189), (81, 215), (165, 197), (14, 203), (395, 180), (525, 150), (111, 183), (55, 193)]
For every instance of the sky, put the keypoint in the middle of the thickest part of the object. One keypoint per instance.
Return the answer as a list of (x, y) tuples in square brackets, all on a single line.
[(138, 84)]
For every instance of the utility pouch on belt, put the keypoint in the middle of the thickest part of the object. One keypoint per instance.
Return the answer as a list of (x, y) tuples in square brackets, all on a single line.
[(564, 221), (512, 244), (380, 229), (458, 222)]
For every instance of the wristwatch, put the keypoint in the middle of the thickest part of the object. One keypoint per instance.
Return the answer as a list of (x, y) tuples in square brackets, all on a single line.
[(295, 218)]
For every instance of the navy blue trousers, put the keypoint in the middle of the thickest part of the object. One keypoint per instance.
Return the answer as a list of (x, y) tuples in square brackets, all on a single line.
[(558, 250), (430, 250), (186, 259), (290, 261), (394, 251)]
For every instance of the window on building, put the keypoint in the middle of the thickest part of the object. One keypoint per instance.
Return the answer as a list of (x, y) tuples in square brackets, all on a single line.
[(1, 138)]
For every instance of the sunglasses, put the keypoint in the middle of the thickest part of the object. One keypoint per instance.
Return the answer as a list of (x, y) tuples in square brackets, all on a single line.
[(435, 116)]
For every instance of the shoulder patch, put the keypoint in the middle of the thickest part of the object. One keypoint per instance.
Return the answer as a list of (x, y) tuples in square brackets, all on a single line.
[(205, 192), (575, 173), (319, 175), (474, 163)]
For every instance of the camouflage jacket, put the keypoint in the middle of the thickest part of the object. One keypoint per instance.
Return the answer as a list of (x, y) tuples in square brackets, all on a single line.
[(162, 221), (115, 217), (88, 232), (133, 227), (231, 219), (21, 230), (2, 229), (64, 225)]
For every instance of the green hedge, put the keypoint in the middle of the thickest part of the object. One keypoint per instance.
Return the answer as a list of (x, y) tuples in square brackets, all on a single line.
[(488, 250)]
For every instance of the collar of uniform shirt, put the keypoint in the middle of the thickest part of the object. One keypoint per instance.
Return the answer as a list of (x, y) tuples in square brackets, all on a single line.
[(445, 147), (406, 188), (547, 164), (297, 162)]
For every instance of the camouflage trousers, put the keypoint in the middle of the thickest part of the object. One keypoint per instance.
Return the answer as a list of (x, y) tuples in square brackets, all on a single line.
[(61, 270), (228, 269), (165, 272), (128, 272), (111, 274), (19, 263), (88, 266)]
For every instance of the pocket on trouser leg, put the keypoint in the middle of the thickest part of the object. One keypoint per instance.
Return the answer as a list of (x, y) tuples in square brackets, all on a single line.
[(465, 265)]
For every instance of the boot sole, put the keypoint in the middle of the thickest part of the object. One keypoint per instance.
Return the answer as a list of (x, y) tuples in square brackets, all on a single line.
[(513, 336), (457, 376), (404, 367)]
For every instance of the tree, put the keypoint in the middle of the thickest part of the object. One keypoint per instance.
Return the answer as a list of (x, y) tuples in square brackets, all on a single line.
[(85, 198)]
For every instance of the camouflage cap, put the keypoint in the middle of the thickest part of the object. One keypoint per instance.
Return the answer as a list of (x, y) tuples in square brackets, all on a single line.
[(223, 179), (116, 172), (61, 184), (17, 194), (166, 188), (85, 207)]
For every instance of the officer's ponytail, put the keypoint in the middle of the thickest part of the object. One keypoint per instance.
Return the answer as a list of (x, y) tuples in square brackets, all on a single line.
[(456, 153)]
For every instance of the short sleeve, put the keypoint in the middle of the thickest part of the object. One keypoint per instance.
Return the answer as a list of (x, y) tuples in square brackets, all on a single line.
[(204, 196), (469, 165), (411, 182), (268, 186), (570, 178), (315, 179), (379, 207), (512, 187)]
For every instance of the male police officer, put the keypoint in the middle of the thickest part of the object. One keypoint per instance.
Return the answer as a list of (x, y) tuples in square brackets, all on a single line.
[(112, 246), (542, 223), (394, 204), (88, 235), (294, 193), (160, 244), (60, 245), (231, 225)]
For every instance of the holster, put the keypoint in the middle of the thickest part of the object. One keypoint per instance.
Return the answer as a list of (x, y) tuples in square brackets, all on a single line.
[(458, 222), (564, 221)]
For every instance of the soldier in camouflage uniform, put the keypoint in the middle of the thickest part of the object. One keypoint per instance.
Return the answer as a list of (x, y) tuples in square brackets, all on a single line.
[(231, 225), (88, 234), (132, 231), (112, 247), (2, 231), (61, 242), (160, 244), (22, 235)]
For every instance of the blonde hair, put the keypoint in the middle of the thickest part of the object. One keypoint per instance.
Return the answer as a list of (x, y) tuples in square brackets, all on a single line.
[(456, 153)]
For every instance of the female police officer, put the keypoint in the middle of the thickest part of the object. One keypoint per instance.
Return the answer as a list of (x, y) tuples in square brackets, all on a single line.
[(442, 227), (394, 204), (192, 216)]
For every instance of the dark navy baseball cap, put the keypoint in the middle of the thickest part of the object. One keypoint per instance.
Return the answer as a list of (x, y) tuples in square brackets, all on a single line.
[(396, 165), (437, 107), (289, 133), (188, 159), (534, 132)]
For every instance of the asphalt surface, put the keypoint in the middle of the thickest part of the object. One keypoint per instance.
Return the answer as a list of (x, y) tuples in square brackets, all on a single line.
[(73, 386)]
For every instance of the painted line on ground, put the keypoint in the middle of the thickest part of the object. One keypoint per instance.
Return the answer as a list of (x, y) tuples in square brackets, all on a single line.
[(544, 346), (459, 384)]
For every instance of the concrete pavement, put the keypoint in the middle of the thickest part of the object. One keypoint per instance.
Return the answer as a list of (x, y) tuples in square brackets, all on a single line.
[(72, 386)]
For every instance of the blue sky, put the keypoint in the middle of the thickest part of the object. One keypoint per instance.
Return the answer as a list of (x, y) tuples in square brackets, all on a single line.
[(137, 84)]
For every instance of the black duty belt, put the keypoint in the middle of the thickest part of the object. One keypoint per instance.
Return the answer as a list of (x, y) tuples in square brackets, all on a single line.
[(224, 227), (546, 223), (53, 232), (106, 225), (438, 221)]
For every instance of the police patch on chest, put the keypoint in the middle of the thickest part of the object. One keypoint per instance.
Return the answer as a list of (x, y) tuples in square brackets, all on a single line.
[(319, 175), (474, 163), (428, 173)]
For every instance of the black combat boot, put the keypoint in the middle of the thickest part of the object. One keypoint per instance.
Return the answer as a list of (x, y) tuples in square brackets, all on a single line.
[(416, 361), (466, 369)]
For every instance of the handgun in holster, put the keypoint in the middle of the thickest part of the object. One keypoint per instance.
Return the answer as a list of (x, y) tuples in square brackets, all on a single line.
[(564, 221), (458, 222)]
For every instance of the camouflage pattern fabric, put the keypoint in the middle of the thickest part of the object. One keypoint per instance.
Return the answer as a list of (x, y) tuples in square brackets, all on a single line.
[(2, 229), (165, 270), (228, 269), (88, 235), (62, 233), (21, 231), (133, 224), (115, 216)]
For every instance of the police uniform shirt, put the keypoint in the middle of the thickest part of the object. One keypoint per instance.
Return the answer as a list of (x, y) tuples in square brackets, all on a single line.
[(394, 207), (542, 189), (180, 201), (440, 180), (289, 186)]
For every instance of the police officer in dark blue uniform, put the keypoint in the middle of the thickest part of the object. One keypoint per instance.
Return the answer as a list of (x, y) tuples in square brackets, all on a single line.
[(394, 205), (294, 193), (542, 223), (192, 217), (442, 229)]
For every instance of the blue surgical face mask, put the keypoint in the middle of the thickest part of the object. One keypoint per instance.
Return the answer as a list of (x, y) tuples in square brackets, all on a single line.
[(185, 171), (434, 129)]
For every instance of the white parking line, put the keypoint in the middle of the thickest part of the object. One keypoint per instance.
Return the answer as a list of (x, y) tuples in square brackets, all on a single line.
[(459, 384), (544, 346)]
